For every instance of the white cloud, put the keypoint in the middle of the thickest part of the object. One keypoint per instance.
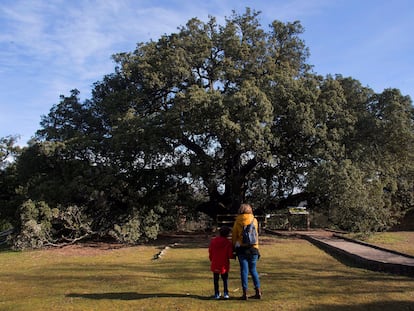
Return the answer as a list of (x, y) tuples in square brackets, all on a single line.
[(49, 47)]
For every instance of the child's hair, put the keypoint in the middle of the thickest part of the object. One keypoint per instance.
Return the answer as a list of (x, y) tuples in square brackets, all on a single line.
[(224, 231)]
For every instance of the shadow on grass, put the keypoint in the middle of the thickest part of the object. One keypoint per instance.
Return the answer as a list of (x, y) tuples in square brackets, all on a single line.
[(373, 306), (4, 248), (134, 296)]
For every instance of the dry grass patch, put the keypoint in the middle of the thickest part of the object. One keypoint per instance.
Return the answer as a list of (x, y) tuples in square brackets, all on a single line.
[(295, 275), (399, 241)]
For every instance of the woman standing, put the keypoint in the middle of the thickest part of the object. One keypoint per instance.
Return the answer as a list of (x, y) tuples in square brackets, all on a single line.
[(248, 254)]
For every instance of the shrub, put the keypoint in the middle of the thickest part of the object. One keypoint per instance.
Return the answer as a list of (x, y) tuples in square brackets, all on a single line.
[(140, 226), (35, 225)]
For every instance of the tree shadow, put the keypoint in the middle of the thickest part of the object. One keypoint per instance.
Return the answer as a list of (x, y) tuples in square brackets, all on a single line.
[(134, 296), (4, 248)]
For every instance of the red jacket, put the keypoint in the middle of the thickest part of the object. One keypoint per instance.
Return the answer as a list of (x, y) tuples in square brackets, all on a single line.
[(220, 251)]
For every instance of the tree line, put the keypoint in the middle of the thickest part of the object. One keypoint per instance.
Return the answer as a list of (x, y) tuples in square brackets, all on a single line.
[(200, 121)]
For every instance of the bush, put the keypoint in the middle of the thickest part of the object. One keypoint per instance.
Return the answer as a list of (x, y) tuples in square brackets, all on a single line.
[(140, 226), (35, 225), (354, 201)]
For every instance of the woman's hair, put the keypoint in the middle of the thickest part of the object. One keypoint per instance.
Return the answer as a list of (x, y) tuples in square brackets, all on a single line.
[(245, 209)]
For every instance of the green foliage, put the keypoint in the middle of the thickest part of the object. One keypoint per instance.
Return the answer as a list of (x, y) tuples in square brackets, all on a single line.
[(364, 177), (36, 224), (9, 200), (219, 75), (138, 227), (354, 201), (41, 226), (209, 117), (127, 232), (8, 150), (73, 223)]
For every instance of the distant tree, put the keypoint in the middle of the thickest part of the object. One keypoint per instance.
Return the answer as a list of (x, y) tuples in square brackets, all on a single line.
[(364, 180), (9, 151)]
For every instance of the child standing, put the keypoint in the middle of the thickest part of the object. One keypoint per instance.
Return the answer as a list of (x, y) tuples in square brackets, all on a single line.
[(220, 251)]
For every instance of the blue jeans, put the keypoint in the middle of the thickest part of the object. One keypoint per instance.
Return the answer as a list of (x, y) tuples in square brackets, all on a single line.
[(248, 264)]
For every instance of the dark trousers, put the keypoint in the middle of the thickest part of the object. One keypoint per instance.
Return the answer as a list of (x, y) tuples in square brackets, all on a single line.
[(225, 278)]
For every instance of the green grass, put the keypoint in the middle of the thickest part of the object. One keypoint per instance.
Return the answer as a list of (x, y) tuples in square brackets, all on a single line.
[(398, 241), (295, 275)]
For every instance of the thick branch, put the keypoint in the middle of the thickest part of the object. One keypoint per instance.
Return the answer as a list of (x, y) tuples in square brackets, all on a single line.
[(193, 147), (250, 165)]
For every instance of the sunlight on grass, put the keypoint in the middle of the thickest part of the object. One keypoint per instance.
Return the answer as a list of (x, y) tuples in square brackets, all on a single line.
[(295, 275), (398, 241)]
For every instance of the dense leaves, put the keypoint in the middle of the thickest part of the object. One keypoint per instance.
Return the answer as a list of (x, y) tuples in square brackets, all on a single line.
[(207, 118), (8, 181)]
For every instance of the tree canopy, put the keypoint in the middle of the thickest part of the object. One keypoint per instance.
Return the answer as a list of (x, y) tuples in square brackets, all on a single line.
[(207, 118)]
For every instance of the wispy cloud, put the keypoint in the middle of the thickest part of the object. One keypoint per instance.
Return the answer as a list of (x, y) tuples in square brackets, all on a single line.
[(78, 35), (48, 47)]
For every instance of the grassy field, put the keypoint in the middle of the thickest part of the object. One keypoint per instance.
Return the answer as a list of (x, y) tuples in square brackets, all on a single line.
[(295, 275), (399, 241)]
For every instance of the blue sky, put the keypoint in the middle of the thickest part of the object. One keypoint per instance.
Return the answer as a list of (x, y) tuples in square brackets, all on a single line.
[(48, 47)]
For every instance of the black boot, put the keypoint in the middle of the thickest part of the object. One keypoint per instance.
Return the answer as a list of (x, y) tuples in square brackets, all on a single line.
[(244, 297), (258, 294)]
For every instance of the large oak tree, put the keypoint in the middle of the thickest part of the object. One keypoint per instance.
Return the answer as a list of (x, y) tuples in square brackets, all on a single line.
[(214, 115)]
